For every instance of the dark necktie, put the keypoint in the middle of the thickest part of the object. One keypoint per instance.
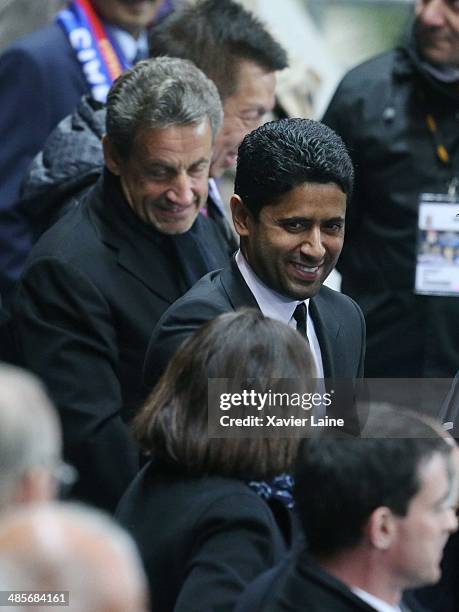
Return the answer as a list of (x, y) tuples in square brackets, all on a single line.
[(300, 317)]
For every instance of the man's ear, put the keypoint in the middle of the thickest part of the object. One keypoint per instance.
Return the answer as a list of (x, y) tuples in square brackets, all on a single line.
[(381, 528), (241, 216), (111, 157)]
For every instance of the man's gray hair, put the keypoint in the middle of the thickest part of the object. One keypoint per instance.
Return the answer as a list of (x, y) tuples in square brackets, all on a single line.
[(69, 547), (30, 434), (159, 93)]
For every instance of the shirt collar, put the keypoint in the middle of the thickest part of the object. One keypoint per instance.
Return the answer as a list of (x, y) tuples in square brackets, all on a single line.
[(375, 602), (214, 193), (280, 307), (131, 47), (271, 303)]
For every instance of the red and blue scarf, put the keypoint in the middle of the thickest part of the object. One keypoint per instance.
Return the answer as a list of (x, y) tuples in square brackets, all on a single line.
[(99, 55)]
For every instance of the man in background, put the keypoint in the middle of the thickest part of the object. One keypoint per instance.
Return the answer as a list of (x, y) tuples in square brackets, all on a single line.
[(397, 113)]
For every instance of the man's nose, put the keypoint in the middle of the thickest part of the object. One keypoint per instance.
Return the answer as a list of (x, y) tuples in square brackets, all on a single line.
[(433, 14), (181, 190), (312, 245)]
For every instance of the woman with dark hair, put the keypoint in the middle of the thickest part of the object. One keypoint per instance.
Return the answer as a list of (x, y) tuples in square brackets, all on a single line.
[(204, 511)]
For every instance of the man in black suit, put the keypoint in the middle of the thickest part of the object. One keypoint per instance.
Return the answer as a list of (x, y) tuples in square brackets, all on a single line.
[(293, 180), (376, 513), (99, 279)]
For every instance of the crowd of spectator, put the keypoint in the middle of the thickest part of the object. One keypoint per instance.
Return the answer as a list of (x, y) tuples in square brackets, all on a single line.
[(129, 290)]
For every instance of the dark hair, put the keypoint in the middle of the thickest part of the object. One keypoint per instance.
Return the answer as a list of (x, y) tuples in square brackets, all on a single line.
[(216, 35), (280, 155), (173, 423), (158, 93), (340, 482)]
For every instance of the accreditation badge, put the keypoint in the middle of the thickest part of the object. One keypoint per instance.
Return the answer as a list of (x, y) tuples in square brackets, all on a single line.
[(437, 253)]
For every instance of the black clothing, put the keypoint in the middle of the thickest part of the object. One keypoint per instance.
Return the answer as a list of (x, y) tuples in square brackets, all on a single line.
[(299, 584), (338, 322), (71, 162), (41, 81), (202, 540), (380, 109), (93, 288)]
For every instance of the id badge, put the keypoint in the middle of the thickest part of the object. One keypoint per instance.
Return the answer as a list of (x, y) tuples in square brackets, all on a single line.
[(437, 252)]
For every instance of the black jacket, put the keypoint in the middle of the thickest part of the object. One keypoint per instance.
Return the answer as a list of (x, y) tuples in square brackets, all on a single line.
[(299, 584), (202, 540), (71, 162), (338, 321), (93, 288), (380, 109), (41, 81)]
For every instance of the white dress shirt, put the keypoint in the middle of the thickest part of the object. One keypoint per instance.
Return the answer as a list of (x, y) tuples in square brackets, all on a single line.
[(214, 193), (130, 46), (375, 602)]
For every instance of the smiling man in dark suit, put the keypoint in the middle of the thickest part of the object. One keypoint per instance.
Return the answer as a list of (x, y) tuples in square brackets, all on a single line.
[(293, 180), (98, 280)]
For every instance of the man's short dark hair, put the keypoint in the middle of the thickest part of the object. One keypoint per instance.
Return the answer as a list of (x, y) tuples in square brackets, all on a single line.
[(280, 155), (216, 35), (340, 482), (173, 424)]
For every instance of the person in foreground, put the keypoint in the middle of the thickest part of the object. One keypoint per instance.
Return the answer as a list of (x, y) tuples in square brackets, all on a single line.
[(203, 513), (381, 512), (54, 548), (293, 179), (30, 441)]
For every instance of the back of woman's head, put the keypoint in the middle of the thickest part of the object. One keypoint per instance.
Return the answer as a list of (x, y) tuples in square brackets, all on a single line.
[(173, 423)]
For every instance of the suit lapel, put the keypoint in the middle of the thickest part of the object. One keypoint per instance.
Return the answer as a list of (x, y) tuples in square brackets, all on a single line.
[(142, 257), (150, 265), (325, 323), (327, 329), (237, 290), (309, 582)]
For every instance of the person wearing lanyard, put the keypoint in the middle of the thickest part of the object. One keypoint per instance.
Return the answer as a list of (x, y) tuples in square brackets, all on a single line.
[(42, 77), (398, 114)]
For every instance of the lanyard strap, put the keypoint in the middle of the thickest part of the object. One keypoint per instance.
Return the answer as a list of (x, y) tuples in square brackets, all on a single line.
[(100, 57), (440, 149)]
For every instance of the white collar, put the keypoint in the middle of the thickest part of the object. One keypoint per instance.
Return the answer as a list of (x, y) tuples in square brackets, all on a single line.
[(375, 602), (280, 307), (129, 45), (214, 193), (271, 303)]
